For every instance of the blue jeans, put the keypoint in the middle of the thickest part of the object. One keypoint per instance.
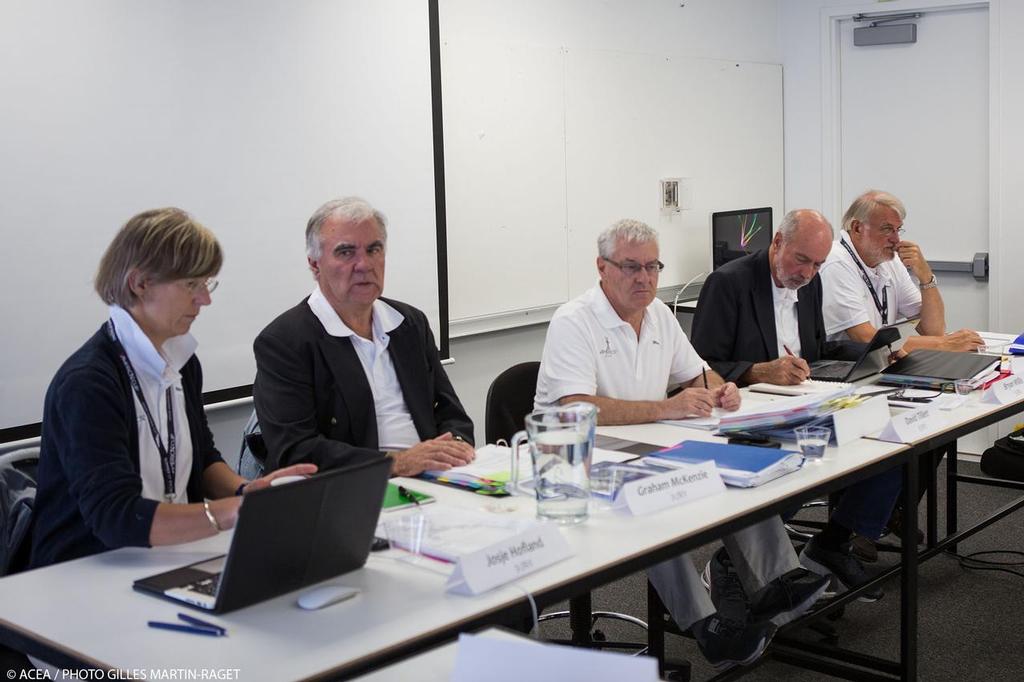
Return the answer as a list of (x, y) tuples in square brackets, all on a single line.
[(865, 506)]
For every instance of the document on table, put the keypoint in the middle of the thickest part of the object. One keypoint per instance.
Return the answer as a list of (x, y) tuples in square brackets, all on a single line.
[(449, 533), (504, 660)]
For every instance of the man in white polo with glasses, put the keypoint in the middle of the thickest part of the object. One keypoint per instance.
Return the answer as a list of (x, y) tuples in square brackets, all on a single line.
[(868, 280), (621, 348)]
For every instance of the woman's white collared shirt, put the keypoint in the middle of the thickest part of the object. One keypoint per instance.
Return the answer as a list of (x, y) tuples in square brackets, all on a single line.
[(157, 371)]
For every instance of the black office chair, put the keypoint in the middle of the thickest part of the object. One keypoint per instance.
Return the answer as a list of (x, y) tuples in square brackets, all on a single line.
[(509, 400), (252, 458), (17, 500)]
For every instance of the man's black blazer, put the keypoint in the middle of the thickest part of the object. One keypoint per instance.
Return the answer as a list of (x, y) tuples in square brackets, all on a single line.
[(314, 403), (734, 326)]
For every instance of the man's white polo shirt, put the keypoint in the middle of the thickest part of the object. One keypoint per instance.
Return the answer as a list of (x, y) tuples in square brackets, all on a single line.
[(590, 350), (395, 429), (846, 300)]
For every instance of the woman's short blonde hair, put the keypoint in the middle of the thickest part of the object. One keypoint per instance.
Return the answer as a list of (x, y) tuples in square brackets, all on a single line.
[(163, 244)]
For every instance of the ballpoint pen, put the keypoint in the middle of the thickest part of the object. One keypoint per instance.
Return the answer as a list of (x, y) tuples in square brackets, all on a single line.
[(704, 373), (191, 629), (404, 492), (192, 620)]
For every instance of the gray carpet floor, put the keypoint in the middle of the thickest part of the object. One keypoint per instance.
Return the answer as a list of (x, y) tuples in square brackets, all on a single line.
[(971, 624)]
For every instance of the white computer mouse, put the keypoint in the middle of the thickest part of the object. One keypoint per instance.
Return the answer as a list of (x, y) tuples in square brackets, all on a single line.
[(325, 595)]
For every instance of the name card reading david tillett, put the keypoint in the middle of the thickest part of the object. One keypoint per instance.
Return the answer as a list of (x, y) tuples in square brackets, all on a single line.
[(685, 484), (508, 559), (910, 426)]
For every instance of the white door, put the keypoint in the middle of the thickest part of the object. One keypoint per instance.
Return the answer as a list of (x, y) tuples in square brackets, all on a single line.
[(914, 122)]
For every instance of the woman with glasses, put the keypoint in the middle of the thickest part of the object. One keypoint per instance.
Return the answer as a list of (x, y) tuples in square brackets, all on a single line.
[(127, 458)]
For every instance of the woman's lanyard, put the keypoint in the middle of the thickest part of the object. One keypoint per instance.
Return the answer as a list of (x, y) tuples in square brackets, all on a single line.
[(168, 458), (883, 305)]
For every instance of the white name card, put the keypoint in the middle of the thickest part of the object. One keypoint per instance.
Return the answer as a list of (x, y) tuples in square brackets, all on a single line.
[(508, 560), (910, 426), (686, 483), (854, 422), (1008, 390)]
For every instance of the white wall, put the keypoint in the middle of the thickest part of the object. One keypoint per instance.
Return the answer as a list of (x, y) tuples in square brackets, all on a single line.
[(745, 30)]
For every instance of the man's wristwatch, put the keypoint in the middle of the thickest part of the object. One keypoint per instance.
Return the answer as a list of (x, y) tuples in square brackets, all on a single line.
[(930, 284)]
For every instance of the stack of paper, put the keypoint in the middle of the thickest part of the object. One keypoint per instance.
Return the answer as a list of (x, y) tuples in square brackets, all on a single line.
[(741, 466), (788, 411), (450, 533)]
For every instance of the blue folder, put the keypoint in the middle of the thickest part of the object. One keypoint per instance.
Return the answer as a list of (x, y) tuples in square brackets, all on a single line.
[(739, 465)]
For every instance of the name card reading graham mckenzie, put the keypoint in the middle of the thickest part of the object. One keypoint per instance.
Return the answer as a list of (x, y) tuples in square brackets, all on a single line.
[(686, 483), (508, 559)]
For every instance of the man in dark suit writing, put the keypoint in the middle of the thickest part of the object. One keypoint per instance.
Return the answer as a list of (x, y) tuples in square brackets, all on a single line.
[(347, 374), (759, 320)]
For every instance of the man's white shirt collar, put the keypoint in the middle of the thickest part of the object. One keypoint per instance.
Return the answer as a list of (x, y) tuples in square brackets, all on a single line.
[(144, 356), (784, 295), (610, 319), (385, 318), (877, 272)]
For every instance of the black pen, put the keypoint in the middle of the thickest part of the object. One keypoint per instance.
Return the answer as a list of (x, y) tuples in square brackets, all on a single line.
[(191, 629), (404, 492), (704, 373)]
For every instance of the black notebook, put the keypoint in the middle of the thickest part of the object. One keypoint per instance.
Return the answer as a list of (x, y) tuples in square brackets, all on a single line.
[(937, 369)]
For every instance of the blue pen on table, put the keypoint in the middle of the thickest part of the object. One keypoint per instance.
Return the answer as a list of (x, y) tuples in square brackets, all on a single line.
[(192, 620), (191, 629)]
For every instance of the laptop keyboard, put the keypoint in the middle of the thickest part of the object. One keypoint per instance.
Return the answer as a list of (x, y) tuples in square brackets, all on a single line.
[(835, 370), (207, 586)]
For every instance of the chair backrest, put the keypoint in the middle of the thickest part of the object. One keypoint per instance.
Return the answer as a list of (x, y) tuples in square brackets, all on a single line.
[(509, 400), (17, 500), (252, 459)]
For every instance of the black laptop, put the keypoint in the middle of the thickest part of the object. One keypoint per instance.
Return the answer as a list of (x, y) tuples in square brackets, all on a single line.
[(287, 536), (873, 359)]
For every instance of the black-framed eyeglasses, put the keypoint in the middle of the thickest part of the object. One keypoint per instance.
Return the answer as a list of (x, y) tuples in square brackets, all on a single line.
[(632, 268)]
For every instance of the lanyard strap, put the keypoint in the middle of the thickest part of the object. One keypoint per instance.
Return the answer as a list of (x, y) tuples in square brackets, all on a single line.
[(883, 305), (168, 454)]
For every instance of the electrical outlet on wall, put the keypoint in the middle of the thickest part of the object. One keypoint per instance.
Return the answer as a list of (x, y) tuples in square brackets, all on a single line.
[(676, 195)]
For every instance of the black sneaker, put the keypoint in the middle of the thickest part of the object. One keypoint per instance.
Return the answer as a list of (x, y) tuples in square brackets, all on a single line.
[(788, 597), (848, 571), (726, 590), (726, 643)]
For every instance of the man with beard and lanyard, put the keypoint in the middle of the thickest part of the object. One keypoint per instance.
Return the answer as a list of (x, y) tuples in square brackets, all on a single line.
[(759, 320), (867, 287)]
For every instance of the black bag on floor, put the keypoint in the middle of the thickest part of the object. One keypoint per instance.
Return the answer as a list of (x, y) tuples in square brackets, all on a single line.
[(1005, 459)]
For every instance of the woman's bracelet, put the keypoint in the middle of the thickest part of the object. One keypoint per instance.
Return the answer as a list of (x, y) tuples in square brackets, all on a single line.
[(210, 516)]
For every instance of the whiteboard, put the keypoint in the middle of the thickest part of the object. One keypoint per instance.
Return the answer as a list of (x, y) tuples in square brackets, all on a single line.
[(248, 115), (545, 148)]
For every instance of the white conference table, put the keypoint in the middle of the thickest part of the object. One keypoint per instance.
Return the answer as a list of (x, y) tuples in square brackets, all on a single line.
[(86, 612)]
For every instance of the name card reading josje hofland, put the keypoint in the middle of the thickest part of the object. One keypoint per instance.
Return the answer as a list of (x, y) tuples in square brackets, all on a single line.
[(508, 560), (685, 484), (1008, 390), (910, 426)]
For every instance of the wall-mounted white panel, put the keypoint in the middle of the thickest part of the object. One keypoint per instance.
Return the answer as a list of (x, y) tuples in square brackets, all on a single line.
[(248, 115)]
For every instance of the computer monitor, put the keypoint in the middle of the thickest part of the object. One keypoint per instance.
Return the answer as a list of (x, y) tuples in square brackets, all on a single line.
[(737, 233)]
